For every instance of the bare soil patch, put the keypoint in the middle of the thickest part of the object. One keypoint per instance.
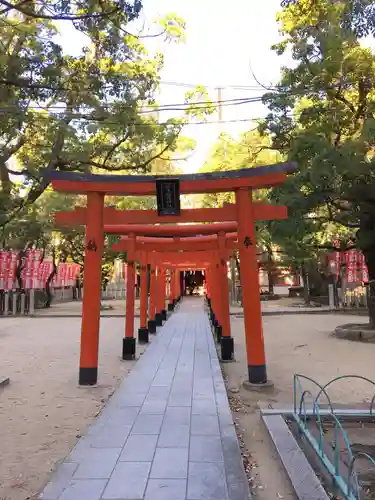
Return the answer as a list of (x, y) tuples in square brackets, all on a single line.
[(294, 344), (43, 411)]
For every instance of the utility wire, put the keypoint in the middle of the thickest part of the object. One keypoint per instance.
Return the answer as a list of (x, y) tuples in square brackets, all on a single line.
[(25, 84), (147, 108), (194, 85), (161, 124), (91, 115)]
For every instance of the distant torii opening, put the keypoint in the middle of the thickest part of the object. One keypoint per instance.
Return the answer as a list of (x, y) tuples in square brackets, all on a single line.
[(194, 281)]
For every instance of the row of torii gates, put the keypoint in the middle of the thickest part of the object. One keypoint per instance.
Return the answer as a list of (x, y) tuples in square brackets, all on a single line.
[(163, 245)]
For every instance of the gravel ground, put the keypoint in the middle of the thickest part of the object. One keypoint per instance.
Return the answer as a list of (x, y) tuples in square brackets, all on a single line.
[(294, 344), (43, 411)]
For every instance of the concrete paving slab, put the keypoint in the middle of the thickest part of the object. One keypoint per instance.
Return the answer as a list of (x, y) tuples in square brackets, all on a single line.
[(167, 433), (170, 463), (139, 448), (166, 489)]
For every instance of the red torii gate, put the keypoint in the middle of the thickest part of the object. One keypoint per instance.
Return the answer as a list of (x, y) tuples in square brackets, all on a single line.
[(159, 256), (242, 182), (227, 213)]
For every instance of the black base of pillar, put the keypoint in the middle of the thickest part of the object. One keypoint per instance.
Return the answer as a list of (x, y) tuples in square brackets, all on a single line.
[(170, 307), (164, 316), (227, 348), (212, 317), (88, 376), (215, 323), (257, 374), (128, 348), (143, 335), (151, 324), (219, 333), (158, 319)]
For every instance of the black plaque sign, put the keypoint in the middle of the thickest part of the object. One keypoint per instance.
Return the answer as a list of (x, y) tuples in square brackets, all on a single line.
[(168, 196)]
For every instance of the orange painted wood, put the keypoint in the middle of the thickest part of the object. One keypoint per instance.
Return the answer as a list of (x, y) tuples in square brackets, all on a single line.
[(177, 284), (208, 284), (161, 289), (172, 230), (224, 287), (216, 290), (114, 217), (171, 285), (153, 291), (143, 297), (119, 230), (250, 281), (223, 185), (130, 299), (174, 246), (94, 243), (164, 242), (179, 257)]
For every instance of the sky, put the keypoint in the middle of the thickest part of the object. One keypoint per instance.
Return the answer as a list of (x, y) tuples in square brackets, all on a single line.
[(225, 43)]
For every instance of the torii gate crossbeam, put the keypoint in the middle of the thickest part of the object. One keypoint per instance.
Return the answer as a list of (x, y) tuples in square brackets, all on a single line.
[(241, 182)]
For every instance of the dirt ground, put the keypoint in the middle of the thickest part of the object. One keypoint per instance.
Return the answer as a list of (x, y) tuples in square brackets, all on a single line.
[(43, 411), (74, 308), (294, 344)]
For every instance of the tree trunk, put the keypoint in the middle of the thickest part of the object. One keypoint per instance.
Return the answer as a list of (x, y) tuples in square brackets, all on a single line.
[(233, 279), (238, 266), (366, 241), (306, 285), (370, 262), (49, 280), (270, 270), (271, 282), (5, 182), (19, 268)]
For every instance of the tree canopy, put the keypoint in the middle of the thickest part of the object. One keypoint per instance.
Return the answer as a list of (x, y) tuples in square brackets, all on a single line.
[(229, 153), (357, 16), (321, 115), (95, 112)]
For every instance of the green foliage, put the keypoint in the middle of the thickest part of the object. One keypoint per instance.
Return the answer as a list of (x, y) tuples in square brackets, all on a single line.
[(201, 105), (94, 112), (322, 117), (250, 150), (174, 27), (354, 15)]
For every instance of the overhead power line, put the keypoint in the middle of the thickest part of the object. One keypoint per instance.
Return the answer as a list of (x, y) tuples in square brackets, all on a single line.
[(194, 85), (156, 124), (149, 108), (52, 111)]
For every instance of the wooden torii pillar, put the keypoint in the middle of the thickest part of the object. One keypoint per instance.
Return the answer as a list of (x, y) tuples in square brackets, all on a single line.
[(222, 250), (162, 260), (242, 182)]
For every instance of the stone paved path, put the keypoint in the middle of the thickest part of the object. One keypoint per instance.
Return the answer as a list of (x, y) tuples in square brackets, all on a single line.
[(167, 433)]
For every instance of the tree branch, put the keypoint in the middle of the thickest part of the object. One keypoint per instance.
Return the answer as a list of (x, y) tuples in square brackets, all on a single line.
[(7, 9), (30, 13), (24, 172), (123, 167), (115, 146), (363, 91), (334, 249), (27, 85), (341, 98), (13, 149)]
